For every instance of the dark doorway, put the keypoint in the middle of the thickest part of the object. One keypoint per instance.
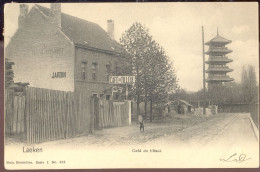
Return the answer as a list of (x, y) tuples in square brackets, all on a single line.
[(189, 108), (179, 109), (96, 113)]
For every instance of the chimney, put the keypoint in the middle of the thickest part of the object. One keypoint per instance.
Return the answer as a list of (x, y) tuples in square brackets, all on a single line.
[(56, 13), (23, 12), (110, 28)]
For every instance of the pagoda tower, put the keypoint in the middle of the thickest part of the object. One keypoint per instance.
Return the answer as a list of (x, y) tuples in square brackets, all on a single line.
[(217, 61)]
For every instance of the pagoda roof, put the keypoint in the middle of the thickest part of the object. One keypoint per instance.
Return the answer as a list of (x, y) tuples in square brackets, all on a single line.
[(218, 40), (218, 60), (215, 50), (218, 69), (219, 79)]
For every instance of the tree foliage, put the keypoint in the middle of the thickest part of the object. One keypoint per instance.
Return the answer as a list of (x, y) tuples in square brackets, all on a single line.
[(249, 84), (227, 93), (9, 74), (155, 76)]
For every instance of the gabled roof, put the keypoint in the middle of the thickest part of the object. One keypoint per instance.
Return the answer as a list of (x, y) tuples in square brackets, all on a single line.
[(185, 102), (218, 39), (84, 33), (182, 101)]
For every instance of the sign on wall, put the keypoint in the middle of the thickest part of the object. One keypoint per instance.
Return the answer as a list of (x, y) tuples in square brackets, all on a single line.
[(59, 75), (121, 79)]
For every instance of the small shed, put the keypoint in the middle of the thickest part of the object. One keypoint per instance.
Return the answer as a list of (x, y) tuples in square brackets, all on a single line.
[(180, 106)]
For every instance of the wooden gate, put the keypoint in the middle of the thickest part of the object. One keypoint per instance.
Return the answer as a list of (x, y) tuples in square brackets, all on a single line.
[(111, 114)]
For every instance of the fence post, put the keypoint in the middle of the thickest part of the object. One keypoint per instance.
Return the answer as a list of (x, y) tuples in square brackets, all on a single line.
[(92, 119), (27, 114), (129, 111)]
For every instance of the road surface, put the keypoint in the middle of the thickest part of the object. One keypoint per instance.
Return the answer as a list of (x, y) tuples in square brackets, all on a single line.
[(182, 129), (223, 140), (223, 130)]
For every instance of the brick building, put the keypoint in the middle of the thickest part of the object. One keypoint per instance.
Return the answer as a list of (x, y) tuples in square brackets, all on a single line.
[(57, 51)]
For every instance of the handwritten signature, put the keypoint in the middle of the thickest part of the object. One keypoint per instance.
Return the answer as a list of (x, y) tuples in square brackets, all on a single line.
[(236, 158)]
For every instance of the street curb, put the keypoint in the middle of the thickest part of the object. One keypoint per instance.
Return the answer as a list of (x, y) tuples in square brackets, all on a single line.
[(256, 131)]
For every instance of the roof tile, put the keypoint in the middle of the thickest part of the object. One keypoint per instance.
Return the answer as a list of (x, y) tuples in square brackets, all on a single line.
[(218, 39), (80, 31)]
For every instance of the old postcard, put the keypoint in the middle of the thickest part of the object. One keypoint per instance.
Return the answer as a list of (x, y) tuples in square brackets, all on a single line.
[(131, 85)]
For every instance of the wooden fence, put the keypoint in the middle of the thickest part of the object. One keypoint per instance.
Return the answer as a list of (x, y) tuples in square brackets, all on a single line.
[(52, 115), (111, 114), (45, 115), (14, 113), (121, 113)]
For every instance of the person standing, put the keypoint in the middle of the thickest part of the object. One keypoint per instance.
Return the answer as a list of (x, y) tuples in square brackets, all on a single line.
[(141, 122)]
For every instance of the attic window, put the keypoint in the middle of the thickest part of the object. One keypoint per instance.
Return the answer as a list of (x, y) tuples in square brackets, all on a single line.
[(85, 42)]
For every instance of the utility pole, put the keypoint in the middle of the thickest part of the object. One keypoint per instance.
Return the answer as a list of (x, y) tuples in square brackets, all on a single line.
[(203, 55)]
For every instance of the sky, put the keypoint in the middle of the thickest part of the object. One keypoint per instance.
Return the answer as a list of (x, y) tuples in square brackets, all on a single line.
[(176, 27)]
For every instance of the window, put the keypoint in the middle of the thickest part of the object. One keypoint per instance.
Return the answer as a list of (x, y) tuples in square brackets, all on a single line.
[(94, 71), (108, 97), (108, 71), (83, 70), (95, 95)]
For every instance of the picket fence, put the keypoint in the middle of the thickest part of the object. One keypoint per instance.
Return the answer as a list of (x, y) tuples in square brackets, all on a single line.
[(45, 115)]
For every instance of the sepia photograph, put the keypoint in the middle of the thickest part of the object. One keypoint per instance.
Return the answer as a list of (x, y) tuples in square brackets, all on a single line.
[(131, 85)]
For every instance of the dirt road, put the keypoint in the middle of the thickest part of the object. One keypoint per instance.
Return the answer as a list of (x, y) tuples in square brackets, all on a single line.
[(178, 129), (222, 130), (181, 141), (183, 129)]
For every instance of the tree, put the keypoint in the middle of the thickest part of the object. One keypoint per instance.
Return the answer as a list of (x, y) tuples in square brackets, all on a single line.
[(162, 79), (155, 76), (249, 84), (136, 41), (9, 81), (9, 74)]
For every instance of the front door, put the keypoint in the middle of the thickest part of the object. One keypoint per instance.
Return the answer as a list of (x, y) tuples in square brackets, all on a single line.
[(96, 113)]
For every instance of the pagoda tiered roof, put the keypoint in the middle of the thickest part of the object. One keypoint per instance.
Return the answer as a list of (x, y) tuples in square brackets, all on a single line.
[(218, 60), (218, 40), (219, 69), (219, 79), (218, 50)]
